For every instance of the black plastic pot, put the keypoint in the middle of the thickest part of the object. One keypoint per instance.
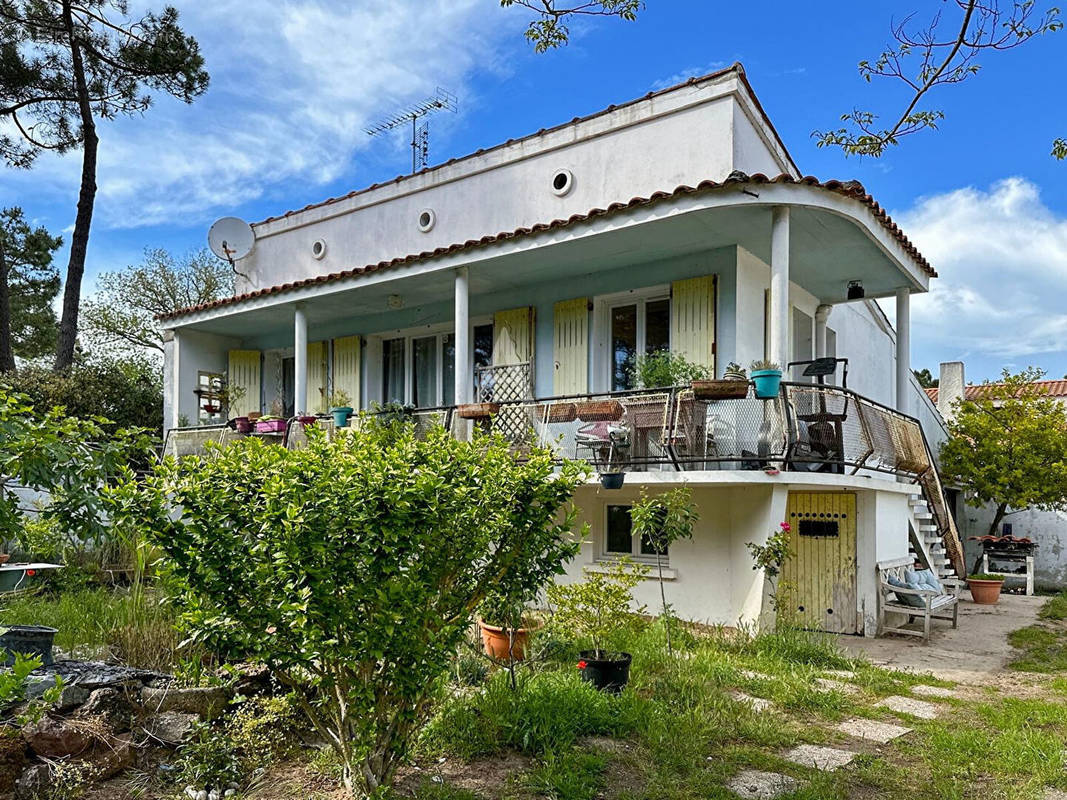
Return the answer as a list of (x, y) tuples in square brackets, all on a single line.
[(612, 480), (608, 674), (30, 640)]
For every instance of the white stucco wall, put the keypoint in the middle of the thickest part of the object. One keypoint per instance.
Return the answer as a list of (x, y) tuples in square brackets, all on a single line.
[(189, 353), (710, 133)]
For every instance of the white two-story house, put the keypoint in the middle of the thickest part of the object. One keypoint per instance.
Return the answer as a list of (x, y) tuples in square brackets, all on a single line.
[(533, 273)]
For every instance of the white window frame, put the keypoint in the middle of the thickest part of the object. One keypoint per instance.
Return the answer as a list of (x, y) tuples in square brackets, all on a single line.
[(603, 305), (635, 553), (438, 330)]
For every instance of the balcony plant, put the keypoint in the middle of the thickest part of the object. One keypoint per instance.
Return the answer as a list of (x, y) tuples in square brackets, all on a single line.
[(338, 401), (985, 588), (596, 611), (767, 375), (734, 384), (666, 368)]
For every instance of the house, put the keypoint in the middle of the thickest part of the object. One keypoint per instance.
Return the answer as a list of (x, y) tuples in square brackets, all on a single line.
[(1046, 529), (532, 274)]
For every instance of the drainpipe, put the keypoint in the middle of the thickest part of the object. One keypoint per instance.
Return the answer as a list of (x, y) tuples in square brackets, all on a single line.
[(779, 349), (300, 360), (903, 350)]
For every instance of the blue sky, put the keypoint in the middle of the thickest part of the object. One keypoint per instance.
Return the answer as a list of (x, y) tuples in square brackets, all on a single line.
[(294, 83)]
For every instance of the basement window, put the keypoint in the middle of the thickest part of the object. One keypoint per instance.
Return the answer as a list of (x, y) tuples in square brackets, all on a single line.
[(619, 537)]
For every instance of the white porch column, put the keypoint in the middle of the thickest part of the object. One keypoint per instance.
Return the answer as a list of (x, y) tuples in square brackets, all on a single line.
[(300, 360), (172, 384), (903, 350), (822, 313), (464, 376), (779, 321)]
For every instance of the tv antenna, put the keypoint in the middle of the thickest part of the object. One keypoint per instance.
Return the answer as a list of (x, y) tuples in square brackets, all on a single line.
[(416, 116)]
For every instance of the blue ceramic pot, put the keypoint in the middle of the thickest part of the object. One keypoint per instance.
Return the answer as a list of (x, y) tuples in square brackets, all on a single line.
[(768, 382), (341, 415)]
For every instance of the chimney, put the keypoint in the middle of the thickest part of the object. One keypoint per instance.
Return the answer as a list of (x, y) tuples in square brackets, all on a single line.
[(949, 387)]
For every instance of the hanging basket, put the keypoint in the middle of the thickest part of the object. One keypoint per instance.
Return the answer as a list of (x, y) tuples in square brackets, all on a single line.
[(599, 411), (726, 389), (477, 410), (557, 412)]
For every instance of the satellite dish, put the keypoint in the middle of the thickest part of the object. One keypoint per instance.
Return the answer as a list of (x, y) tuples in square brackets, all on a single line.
[(231, 239)]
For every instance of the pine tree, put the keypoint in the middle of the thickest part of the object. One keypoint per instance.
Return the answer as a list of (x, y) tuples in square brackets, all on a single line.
[(29, 282)]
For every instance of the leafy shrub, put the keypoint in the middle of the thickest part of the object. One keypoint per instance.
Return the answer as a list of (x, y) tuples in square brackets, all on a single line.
[(127, 391), (352, 567)]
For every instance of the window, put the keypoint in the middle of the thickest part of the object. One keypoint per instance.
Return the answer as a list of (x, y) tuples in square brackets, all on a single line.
[(639, 327), (209, 387), (619, 539), (420, 369)]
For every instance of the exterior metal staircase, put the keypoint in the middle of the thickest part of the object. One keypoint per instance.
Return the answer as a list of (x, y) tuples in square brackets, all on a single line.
[(927, 542)]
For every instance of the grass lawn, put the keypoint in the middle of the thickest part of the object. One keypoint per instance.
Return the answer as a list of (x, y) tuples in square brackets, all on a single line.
[(684, 728)]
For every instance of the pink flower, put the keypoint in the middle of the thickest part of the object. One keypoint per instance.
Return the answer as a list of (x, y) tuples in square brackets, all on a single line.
[(785, 526)]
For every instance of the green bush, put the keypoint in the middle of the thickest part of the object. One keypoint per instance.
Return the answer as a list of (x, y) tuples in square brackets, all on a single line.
[(352, 567), (126, 391), (664, 368)]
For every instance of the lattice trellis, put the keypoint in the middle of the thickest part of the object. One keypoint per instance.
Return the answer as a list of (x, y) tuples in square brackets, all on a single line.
[(503, 383)]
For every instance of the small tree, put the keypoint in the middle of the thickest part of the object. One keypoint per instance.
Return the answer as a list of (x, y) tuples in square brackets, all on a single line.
[(352, 567), (1008, 447), (771, 557), (661, 521), (598, 608)]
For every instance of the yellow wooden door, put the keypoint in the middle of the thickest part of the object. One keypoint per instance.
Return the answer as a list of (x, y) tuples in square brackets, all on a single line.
[(817, 588)]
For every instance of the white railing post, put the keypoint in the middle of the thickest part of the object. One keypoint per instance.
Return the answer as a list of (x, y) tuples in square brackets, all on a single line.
[(300, 360), (779, 322)]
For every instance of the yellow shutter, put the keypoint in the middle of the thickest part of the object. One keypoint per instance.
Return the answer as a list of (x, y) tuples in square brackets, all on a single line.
[(571, 347), (346, 368), (317, 384), (513, 336), (693, 319), (244, 380)]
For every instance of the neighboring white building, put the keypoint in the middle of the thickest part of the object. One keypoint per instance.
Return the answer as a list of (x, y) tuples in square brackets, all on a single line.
[(1047, 528), (540, 267)]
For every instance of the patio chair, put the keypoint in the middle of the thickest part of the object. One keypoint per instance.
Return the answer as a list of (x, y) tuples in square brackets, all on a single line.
[(608, 444)]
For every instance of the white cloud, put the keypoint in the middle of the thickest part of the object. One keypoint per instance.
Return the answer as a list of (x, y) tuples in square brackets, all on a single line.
[(1001, 254), (293, 85), (689, 72)]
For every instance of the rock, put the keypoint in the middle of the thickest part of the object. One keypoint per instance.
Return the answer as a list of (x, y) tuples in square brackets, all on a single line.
[(204, 701), (112, 706), (171, 727), (56, 738), (229, 793), (12, 760), (213, 795), (190, 792), (201, 795), (113, 756), (73, 696), (33, 783), (36, 685)]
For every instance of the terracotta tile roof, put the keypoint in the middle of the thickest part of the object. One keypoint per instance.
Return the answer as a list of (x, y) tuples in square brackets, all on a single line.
[(1052, 388), (735, 67), (852, 189)]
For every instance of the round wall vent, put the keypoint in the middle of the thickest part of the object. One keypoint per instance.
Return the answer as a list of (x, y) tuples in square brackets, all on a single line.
[(562, 182), (427, 219), (318, 249)]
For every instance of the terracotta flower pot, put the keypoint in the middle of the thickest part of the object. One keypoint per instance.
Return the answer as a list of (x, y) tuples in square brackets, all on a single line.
[(725, 389), (495, 641), (985, 592), (477, 410)]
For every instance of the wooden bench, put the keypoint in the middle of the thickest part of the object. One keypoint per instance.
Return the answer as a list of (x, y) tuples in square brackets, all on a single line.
[(936, 605)]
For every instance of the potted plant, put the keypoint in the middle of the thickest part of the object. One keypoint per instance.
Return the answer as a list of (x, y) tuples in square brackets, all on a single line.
[(665, 369), (767, 375), (596, 611), (985, 588), (270, 424), (505, 627), (477, 410), (338, 402)]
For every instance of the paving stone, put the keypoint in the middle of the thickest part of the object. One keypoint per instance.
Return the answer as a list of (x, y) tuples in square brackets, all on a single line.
[(840, 674), (752, 784), (909, 705), (828, 685), (759, 704), (872, 730), (752, 675), (822, 758), (1050, 794), (932, 691)]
